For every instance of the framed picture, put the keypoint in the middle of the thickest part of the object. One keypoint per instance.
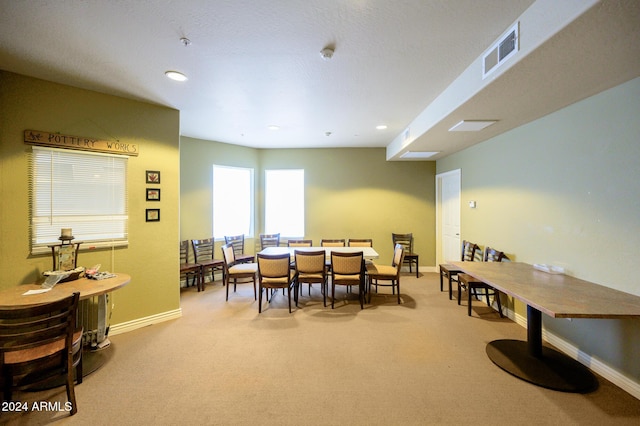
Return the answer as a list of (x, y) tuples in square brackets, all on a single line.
[(153, 215), (153, 176), (153, 194)]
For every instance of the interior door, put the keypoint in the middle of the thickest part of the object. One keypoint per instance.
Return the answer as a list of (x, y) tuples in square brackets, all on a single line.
[(448, 208)]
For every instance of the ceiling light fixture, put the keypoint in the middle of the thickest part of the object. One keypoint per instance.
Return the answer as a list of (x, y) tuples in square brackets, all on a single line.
[(471, 125), (419, 154), (175, 75), (326, 53), (273, 127), (381, 127)]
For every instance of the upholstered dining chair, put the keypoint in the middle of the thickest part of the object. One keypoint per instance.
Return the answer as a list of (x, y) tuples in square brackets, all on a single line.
[(38, 343), (237, 241), (332, 243), (360, 242), (390, 273), (203, 253), (410, 257), (236, 270), (347, 269), (188, 269), (311, 269), (269, 240), (300, 243), (274, 272), (472, 285), (470, 252)]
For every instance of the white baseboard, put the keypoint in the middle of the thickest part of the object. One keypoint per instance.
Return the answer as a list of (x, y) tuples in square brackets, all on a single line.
[(625, 383), (144, 322)]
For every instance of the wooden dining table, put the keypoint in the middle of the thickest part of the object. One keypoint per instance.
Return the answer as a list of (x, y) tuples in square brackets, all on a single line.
[(558, 296), (368, 252)]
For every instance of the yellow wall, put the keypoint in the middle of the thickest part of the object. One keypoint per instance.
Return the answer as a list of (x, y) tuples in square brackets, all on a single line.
[(565, 190), (350, 193), (152, 262)]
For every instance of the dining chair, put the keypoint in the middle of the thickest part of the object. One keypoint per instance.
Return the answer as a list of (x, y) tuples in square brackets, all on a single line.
[(472, 285), (407, 243), (236, 270), (203, 253), (332, 243), (311, 269), (188, 269), (390, 273), (38, 343), (470, 252), (269, 240), (274, 272), (360, 242), (237, 241), (347, 269), (300, 243)]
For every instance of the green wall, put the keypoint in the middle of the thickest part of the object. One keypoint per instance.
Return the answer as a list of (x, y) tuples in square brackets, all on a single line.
[(565, 190), (153, 263), (350, 193)]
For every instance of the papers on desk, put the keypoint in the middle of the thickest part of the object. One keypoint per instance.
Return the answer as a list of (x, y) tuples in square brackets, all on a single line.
[(549, 269), (39, 291)]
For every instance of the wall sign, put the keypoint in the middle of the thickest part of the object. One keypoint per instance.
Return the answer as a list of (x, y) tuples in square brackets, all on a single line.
[(36, 137)]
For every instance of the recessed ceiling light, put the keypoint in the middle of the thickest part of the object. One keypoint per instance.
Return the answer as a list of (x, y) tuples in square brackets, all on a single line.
[(419, 154), (175, 75), (471, 125), (381, 127), (273, 127)]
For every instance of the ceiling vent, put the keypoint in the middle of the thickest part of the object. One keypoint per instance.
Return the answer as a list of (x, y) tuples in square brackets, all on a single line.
[(503, 49)]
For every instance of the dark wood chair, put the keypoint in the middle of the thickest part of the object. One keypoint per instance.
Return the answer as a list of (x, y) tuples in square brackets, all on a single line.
[(311, 269), (360, 242), (190, 269), (237, 242), (406, 240), (470, 252), (269, 240), (39, 343), (236, 270), (347, 269), (473, 286), (390, 273), (300, 243), (203, 254), (274, 272)]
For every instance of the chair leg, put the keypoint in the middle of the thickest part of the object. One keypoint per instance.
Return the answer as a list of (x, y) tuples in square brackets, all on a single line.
[(289, 296), (259, 300), (497, 296), (254, 287), (398, 284), (469, 299)]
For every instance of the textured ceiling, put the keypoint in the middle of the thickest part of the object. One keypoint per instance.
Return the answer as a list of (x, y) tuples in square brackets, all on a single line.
[(252, 64)]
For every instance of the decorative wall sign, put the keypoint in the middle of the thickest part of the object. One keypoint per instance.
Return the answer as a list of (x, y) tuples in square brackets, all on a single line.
[(56, 140), (153, 215), (153, 176), (153, 194)]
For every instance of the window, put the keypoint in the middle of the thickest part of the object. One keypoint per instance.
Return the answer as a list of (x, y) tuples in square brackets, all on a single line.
[(86, 192), (284, 202), (232, 201)]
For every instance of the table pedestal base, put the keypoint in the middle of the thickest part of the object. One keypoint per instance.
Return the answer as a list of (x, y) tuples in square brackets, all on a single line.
[(553, 370)]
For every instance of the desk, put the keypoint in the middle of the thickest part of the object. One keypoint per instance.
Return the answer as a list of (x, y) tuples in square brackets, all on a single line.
[(368, 252), (14, 296), (559, 296)]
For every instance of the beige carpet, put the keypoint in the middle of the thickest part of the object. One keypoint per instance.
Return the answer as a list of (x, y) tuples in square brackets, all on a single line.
[(422, 362)]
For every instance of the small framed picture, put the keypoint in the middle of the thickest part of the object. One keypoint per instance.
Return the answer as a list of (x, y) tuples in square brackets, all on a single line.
[(153, 215), (153, 194), (153, 176)]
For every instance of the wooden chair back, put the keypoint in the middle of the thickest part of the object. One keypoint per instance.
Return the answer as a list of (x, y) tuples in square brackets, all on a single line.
[(470, 252), (493, 255), (203, 250), (269, 240), (360, 242), (332, 243), (300, 243), (237, 242)]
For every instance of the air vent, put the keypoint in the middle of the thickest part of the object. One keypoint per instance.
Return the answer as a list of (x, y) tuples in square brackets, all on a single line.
[(503, 49)]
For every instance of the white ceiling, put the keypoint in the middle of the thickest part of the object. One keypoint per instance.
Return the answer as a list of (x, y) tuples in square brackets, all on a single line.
[(254, 63)]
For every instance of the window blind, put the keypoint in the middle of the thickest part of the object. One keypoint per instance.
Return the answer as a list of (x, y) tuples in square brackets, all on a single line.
[(86, 192)]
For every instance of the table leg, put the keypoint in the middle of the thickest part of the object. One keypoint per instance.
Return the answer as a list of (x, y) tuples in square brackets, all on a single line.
[(540, 365)]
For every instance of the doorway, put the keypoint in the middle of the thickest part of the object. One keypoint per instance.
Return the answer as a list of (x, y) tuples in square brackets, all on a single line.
[(448, 216)]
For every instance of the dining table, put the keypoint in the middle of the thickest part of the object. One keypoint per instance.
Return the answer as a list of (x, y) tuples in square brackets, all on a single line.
[(367, 252), (559, 296)]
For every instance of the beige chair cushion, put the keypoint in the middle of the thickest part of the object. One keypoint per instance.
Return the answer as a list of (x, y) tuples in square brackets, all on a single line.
[(241, 268), (387, 270)]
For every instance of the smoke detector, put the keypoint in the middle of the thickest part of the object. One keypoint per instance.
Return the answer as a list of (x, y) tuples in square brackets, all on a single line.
[(326, 53)]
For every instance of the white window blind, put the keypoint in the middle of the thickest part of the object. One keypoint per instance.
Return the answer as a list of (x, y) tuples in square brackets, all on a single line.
[(232, 201), (86, 192), (284, 202)]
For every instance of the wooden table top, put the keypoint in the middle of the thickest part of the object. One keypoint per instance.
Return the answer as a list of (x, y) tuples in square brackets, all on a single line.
[(557, 295), (15, 296)]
